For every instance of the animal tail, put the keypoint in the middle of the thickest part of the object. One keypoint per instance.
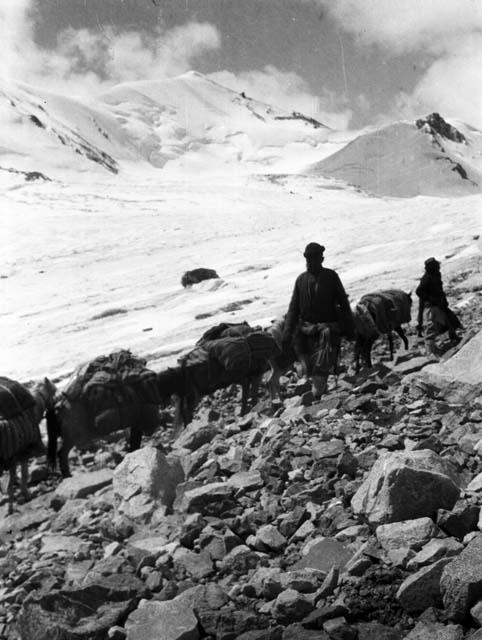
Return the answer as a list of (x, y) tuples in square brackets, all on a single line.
[(53, 433)]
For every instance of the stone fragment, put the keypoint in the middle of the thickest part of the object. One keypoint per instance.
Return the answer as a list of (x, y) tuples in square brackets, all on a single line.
[(411, 534), (78, 612), (421, 590), (426, 630), (58, 544), (461, 581), (291, 606), (404, 486), (209, 499), (144, 480), (460, 521), (240, 560), (377, 631), (435, 550), (195, 435), (324, 554), (476, 613), (82, 485), (302, 580), (245, 481), (270, 537), (169, 620), (196, 565)]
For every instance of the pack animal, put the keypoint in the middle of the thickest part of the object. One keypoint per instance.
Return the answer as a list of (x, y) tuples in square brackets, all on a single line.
[(110, 393), (21, 411), (217, 364), (376, 314)]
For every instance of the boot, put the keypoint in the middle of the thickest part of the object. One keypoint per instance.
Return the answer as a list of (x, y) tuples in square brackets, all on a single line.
[(319, 385)]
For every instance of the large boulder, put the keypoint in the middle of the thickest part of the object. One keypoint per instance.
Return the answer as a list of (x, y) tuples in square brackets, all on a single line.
[(460, 376), (461, 581), (78, 612), (82, 485), (170, 620), (404, 486), (145, 480)]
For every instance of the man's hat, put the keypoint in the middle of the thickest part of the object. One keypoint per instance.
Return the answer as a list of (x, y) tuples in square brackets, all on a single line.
[(313, 248), (430, 261)]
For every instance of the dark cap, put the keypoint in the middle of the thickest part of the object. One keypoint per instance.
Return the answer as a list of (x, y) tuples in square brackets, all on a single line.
[(430, 261), (313, 248)]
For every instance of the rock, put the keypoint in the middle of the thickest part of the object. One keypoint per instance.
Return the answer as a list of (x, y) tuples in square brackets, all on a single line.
[(195, 435), (377, 631), (476, 613), (245, 481), (461, 520), (77, 612), (291, 606), (411, 534), (270, 537), (302, 580), (169, 620), (421, 590), (324, 554), (53, 544), (317, 618), (297, 632), (196, 565), (194, 276), (347, 464), (27, 520), (144, 480), (404, 486), (475, 485), (425, 630), (239, 561), (82, 485), (328, 449), (209, 499), (435, 550), (461, 581)]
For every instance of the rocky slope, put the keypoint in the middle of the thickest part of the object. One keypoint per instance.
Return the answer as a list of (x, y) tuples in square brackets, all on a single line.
[(356, 517)]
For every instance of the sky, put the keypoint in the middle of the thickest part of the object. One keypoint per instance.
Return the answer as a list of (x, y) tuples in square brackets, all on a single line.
[(348, 63)]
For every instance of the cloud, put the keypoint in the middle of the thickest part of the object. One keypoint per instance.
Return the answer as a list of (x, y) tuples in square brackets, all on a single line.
[(409, 24), (84, 60), (289, 91), (446, 33)]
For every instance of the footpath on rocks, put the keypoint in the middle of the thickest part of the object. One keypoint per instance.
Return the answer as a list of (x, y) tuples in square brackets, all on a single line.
[(355, 517)]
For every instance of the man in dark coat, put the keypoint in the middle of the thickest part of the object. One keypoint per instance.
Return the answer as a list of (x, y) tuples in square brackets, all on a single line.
[(318, 314), (434, 315)]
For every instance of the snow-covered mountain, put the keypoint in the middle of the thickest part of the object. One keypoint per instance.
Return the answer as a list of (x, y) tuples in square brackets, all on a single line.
[(429, 157), (185, 121)]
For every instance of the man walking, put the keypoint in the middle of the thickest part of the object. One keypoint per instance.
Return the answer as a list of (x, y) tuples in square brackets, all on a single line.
[(434, 315), (318, 314)]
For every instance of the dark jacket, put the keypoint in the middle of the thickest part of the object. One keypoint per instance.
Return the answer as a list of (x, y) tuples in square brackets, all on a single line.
[(431, 293), (318, 298)]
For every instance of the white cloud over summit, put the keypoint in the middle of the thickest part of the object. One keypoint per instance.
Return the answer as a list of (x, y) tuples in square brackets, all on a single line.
[(84, 60), (447, 34)]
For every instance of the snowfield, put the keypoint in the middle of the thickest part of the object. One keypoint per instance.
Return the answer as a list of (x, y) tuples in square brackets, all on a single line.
[(92, 259), (88, 268)]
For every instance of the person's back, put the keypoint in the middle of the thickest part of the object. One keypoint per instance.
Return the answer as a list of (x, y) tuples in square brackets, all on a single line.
[(317, 305)]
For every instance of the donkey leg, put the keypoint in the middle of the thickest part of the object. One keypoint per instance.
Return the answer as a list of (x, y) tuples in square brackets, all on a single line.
[(402, 335), (135, 439), (24, 479), (390, 344), (64, 458), (244, 396), (12, 477)]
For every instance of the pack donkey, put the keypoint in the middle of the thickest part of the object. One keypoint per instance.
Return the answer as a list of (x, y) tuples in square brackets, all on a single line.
[(376, 314)]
